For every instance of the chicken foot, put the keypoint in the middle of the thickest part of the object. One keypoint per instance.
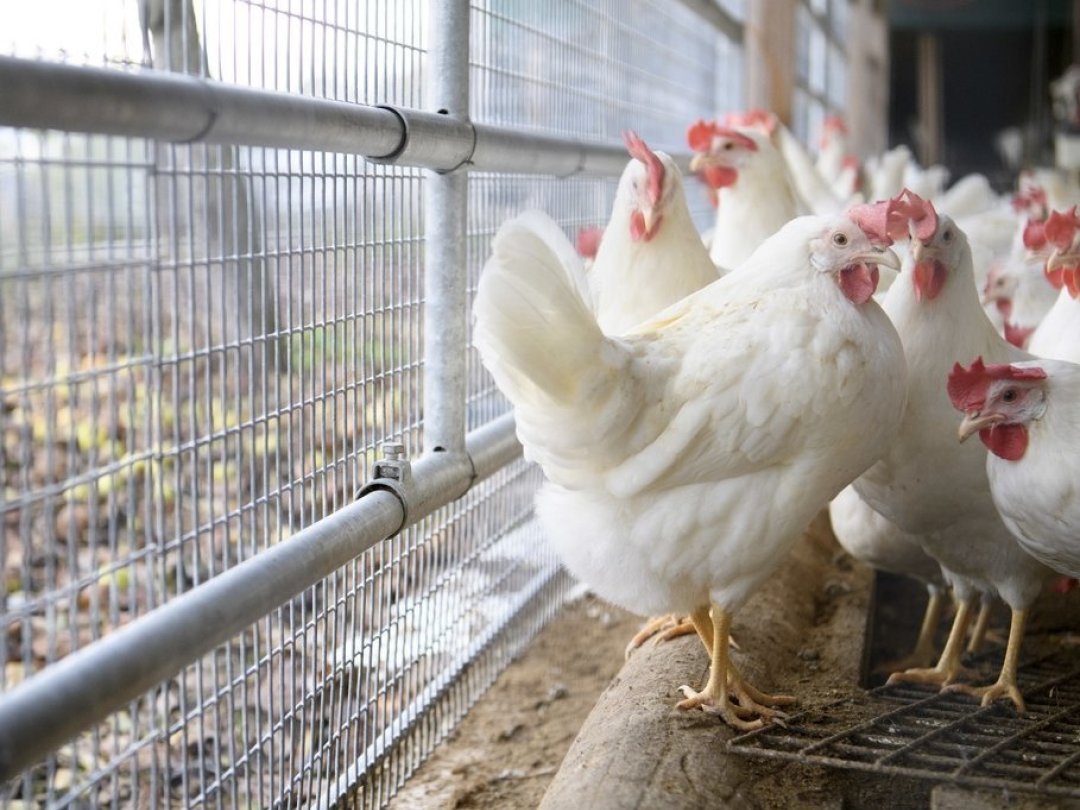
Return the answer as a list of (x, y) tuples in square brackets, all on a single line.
[(670, 626), (1005, 686), (923, 653), (664, 628), (726, 693), (948, 667)]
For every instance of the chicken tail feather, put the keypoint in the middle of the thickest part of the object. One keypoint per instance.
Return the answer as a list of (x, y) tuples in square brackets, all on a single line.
[(534, 328)]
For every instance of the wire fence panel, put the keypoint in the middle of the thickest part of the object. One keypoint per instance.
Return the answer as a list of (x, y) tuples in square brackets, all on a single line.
[(203, 347)]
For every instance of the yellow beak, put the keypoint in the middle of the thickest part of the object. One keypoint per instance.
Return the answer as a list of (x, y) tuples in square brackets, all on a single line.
[(974, 422), (1058, 259), (883, 257), (699, 161), (649, 216)]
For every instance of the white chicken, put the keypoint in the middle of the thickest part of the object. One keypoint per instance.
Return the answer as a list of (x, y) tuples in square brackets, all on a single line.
[(924, 483), (684, 458), (1058, 335), (834, 149), (750, 179), (653, 259), (1026, 414), (650, 255), (813, 189)]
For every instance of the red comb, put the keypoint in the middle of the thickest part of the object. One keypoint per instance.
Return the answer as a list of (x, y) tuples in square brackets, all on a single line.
[(639, 150), (588, 241), (967, 386), (884, 221), (1060, 228), (920, 213), (757, 118), (1031, 197), (834, 123), (701, 133), (1034, 235)]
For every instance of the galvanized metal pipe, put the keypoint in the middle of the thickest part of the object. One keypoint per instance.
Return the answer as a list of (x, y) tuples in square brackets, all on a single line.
[(81, 690), (446, 211), (186, 109)]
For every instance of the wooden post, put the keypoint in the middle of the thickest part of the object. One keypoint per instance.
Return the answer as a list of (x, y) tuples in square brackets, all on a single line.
[(931, 100), (867, 100), (769, 48)]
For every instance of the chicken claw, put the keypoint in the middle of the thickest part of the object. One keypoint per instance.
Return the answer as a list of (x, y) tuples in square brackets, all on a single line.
[(718, 702), (726, 693), (988, 694), (948, 667), (1005, 686), (665, 628)]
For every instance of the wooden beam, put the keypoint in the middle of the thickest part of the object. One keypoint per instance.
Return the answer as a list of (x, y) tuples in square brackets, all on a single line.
[(931, 100)]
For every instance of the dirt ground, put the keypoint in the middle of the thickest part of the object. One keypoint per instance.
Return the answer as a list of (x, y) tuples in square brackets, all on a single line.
[(507, 749)]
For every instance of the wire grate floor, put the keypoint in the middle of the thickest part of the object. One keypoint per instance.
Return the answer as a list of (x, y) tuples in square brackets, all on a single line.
[(918, 732)]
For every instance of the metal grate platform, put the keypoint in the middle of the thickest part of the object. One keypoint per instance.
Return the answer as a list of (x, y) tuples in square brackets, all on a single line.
[(918, 732)]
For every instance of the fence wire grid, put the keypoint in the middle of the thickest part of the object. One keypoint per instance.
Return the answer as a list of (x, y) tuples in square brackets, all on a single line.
[(203, 347)]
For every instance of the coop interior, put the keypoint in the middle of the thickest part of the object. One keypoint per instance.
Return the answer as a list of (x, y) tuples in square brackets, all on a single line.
[(268, 532)]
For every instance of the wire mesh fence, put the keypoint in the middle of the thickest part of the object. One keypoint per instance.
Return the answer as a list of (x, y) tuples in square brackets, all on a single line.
[(202, 348)]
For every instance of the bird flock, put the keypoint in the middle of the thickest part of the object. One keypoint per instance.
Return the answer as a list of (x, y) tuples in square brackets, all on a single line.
[(694, 400)]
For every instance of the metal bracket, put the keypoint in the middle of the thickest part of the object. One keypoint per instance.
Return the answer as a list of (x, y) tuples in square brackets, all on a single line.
[(392, 473)]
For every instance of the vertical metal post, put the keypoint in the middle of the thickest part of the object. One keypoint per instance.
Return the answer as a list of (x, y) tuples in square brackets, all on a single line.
[(446, 215)]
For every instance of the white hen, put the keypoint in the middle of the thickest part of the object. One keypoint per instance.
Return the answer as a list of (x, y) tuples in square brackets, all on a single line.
[(755, 198), (684, 458), (1026, 414), (650, 255), (924, 483)]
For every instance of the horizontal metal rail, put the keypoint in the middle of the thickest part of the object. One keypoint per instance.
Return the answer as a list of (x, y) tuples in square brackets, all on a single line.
[(84, 688), (186, 109)]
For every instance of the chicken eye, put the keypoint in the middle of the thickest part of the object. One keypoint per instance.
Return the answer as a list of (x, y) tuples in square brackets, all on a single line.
[(947, 236), (840, 239), (1009, 395)]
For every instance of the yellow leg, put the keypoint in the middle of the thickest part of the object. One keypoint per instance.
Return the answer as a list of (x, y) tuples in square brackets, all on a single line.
[(1005, 686), (923, 654), (948, 667), (725, 682), (978, 633)]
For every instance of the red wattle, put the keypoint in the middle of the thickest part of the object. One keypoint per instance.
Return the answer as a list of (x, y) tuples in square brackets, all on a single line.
[(719, 176), (637, 227), (858, 282), (1055, 277), (1005, 441), (1065, 585), (1004, 306), (929, 278), (1017, 335)]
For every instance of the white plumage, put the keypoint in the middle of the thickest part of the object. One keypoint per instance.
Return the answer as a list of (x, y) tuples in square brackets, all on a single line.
[(685, 457), (925, 483)]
